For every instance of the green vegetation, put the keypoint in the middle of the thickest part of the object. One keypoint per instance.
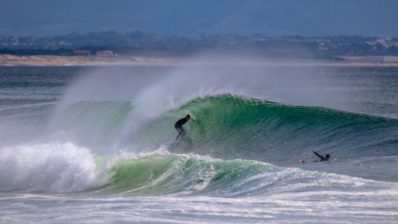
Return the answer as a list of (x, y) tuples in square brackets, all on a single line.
[(139, 43)]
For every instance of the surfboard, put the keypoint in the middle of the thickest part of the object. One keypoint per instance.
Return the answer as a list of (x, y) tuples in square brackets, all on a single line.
[(184, 143)]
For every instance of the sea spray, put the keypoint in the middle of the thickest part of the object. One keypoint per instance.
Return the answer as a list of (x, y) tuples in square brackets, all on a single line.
[(49, 167)]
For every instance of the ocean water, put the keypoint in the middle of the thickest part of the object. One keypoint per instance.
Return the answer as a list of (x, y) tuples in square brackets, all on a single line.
[(97, 145)]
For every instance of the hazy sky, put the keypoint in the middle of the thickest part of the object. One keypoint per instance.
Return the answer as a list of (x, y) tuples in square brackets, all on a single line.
[(192, 17)]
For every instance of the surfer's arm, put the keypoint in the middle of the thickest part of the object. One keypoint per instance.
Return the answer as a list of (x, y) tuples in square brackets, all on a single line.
[(317, 154)]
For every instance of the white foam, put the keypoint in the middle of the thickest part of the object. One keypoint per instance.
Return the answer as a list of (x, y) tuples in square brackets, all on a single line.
[(51, 167)]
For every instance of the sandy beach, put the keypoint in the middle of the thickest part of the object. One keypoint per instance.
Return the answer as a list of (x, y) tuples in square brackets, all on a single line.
[(50, 60)]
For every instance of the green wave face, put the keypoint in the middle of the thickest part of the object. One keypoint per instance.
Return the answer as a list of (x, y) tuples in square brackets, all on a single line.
[(232, 127), (160, 174), (189, 175), (235, 127)]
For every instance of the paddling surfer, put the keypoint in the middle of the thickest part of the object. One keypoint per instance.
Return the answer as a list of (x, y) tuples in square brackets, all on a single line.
[(179, 126), (322, 158)]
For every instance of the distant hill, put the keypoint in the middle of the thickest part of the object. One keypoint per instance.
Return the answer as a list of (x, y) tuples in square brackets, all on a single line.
[(193, 17)]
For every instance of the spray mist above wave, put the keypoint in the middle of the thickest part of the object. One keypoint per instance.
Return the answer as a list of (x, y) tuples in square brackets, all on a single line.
[(152, 91), (155, 90)]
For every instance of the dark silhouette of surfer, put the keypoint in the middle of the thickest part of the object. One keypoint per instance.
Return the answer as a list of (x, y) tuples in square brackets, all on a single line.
[(322, 158), (179, 126)]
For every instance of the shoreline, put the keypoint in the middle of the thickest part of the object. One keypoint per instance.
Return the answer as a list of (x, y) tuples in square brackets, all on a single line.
[(50, 60)]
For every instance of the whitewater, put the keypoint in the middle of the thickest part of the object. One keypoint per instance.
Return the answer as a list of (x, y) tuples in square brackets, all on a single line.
[(97, 145)]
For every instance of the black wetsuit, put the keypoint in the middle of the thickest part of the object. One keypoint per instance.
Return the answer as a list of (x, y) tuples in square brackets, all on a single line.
[(322, 158), (178, 126)]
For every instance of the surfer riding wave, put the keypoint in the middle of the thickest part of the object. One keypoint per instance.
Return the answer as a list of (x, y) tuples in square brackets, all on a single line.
[(179, 126)]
